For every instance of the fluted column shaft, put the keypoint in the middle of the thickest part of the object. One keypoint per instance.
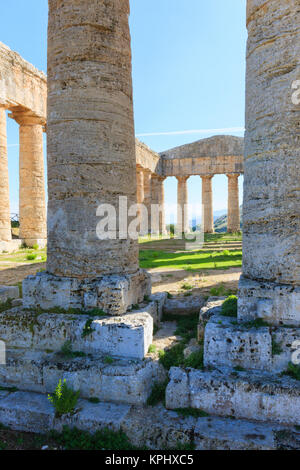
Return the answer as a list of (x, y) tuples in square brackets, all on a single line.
[(161, 202), (91, 143), (5, 223), (148, 195), (207, 203), (157, 199), (270, 285), (32, 204), (233, 214), (182, 201)]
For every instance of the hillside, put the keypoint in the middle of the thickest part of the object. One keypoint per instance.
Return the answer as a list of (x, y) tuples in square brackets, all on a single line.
[(221, 222)]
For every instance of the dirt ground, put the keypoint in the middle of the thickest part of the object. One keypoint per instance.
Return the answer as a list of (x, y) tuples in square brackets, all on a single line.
[(202, 282), (13, 273)]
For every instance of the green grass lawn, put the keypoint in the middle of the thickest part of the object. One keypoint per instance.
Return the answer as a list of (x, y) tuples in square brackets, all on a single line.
[(25, 255), (191, 260)]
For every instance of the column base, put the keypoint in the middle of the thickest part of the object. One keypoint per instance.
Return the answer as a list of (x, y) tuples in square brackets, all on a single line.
[(114, 295), (30, 242), (277, 304)]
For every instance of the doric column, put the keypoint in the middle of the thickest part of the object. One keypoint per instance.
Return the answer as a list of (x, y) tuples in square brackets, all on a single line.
[(157, 209), (233, 213), (182, 201), (32, 204), (140, 185), (5, 223), (161, 202), (270, 287), (207, 203), (91, 161), (148, 195), (140, 195)]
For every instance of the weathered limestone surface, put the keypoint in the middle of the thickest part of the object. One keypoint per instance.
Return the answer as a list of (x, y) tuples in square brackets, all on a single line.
[(112, 294), (241, 395), (146, 158), (8, 292), (207, 202), (128, 336), (21, 84), (5, 225), (91, 144), (271, 226), (153, 427), (32, 204), (231, 344), (216, 155), (120, 381), (233, 215), (182, 225)]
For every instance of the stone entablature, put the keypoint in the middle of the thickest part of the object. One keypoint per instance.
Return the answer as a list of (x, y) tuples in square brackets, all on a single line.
[(147, 159), (21, 84), (220, 154)]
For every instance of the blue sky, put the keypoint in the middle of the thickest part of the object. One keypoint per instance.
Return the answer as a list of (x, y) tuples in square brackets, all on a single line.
[(188, 73)]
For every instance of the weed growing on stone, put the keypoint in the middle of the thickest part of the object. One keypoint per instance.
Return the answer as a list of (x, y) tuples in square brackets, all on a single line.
[(67, 352), (185, 412), (2, 445), (94, 400), (31, 257), (293, 371), (8, 389), (74, 439), (152, 349), (186, 329), (169, 296), (195, 360), (158, 393), (64, 399), (229, 307), (257, 323), (220, 291), (5, 305), (87, 330), (276, 348), (108, 360), (172, 357), (186, 286)]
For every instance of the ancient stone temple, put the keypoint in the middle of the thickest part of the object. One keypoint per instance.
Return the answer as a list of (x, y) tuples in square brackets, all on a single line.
[(94, 295)]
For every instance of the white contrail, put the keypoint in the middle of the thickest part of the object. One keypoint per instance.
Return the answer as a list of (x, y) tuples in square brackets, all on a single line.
[(194, 131), (18, 145)]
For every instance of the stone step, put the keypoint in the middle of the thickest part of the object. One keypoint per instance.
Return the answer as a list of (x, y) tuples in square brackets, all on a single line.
[(109, 380), (154, 428), (126, 336), (8, 292), (242, 395), (228, 343)]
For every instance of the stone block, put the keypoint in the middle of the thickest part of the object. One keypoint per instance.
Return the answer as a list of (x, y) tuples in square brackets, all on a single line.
[(126, 336), (8, 292), (243, 395), (113, 294), (224, 434), (183, 305), (275, 303), (30, 412)]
